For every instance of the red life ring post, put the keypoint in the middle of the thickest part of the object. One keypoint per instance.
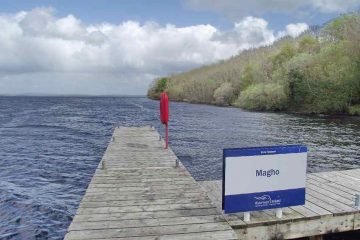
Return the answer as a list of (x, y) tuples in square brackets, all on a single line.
[(164, 115)]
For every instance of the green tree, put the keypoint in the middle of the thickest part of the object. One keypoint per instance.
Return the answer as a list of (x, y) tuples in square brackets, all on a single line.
[(224, 94), (261, 96), (308, 44), (161, 85), (252, 74)]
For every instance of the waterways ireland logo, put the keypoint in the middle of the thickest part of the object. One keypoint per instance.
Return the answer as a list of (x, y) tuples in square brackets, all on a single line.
[(266, 201), (263, 198)]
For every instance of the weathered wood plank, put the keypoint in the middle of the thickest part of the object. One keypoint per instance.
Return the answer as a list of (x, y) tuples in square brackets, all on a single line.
[(155, 188), (145, 215), (319, 210), (149, 196), (147, 208), (156, 181), (328, 194), (144, 202), (144, 185), (149, 222), (306, 212), (214, 235), (331, 186), (148, 231), (333, 177), (143, 192), (327, 203)]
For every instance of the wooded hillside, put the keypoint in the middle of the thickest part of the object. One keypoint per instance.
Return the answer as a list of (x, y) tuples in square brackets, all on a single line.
[(318, 72)]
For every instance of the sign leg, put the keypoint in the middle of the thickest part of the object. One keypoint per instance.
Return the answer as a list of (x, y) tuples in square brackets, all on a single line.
[(103, 166), (279, 213), (246, 216), (357, 200)]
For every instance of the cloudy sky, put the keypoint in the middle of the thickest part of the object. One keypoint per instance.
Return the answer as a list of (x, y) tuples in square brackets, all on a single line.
[(97, 47)]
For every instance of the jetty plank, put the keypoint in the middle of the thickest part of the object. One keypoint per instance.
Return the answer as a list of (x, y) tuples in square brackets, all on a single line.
[(147, 231), (305, 211), (333, 188), (145, 215), (138, 193)]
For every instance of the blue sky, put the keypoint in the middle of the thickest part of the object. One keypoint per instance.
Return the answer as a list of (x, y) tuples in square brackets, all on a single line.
[(116, 11), (176, 12), (119, 47)]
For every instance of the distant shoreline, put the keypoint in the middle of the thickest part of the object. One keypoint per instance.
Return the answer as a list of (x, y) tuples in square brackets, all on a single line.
[(304, 113), (30, 95)]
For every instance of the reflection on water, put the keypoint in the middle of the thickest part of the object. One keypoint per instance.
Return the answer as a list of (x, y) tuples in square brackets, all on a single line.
[(50, 147)]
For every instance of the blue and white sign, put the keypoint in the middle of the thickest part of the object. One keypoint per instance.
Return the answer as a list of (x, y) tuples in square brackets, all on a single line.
[(263, 178)]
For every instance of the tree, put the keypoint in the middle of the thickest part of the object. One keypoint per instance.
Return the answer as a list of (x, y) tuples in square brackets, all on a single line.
[(224, 94)]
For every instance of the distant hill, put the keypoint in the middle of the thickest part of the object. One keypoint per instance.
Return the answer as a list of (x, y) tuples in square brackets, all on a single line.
[(317, 72)]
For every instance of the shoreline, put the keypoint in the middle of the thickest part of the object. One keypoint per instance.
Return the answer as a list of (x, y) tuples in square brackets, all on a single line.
[(299, 113)]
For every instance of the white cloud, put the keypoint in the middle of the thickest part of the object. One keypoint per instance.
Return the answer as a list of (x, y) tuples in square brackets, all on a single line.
[(236, 9), (250, 32), (36, 45), (294, 29), (339, 6)]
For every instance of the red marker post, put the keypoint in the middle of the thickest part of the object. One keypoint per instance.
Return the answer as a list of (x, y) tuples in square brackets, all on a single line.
[(164, 115)]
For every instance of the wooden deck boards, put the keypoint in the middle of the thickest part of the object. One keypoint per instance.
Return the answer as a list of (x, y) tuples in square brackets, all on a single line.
[(141, 195), (329, 208)]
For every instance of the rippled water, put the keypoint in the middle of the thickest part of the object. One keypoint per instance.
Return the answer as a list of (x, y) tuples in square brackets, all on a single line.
[(50, 147)]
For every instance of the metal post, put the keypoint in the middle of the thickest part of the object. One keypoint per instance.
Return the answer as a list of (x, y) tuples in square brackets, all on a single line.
[(166, 136), (246, 216)]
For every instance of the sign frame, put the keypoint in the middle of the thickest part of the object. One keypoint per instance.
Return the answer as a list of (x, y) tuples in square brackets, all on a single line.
[(264, 151)]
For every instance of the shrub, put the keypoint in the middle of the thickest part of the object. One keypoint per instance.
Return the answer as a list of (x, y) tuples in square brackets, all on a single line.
[(224, 94), (354, 110), (271, 96), (157, 87), (252, 74), (175, 92), (308, 44)]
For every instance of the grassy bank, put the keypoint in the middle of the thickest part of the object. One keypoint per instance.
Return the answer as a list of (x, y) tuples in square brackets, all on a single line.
[(318, 72)]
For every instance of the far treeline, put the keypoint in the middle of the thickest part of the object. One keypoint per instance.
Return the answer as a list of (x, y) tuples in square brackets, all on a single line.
[(317, 72)]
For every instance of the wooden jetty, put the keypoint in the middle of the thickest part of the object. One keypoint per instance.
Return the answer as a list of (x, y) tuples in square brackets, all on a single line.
[(138, 193)]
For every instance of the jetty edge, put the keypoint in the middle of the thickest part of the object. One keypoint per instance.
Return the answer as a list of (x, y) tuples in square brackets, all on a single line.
[(137, 192)]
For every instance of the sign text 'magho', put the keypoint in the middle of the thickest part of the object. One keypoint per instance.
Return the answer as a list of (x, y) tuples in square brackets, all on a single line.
[(268, 173)]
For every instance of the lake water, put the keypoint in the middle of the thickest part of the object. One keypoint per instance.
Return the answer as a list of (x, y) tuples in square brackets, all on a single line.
[(50, 147)]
